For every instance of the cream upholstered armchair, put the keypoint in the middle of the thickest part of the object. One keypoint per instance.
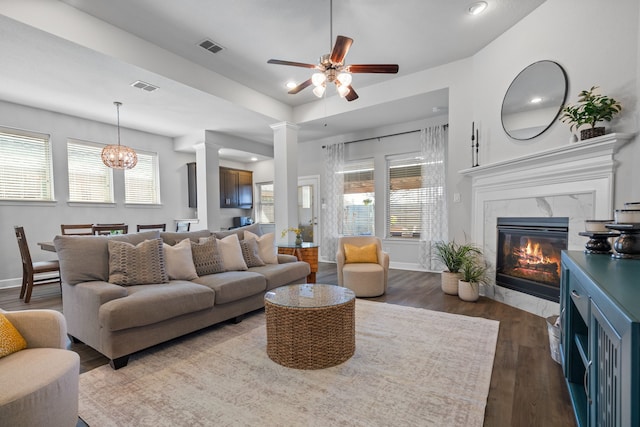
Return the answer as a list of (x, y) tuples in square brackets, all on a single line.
[(362, 265), (39, 384)]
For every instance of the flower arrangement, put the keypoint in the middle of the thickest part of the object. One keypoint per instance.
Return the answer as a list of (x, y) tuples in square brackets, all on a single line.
[(296, 231)]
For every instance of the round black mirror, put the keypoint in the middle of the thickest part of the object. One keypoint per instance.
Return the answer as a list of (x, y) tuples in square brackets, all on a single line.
[(534, 100)]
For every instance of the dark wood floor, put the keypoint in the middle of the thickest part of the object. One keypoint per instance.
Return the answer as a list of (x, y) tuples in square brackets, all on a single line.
[(527, 387)]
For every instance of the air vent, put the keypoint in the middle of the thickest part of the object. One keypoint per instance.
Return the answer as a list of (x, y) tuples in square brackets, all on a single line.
[(144, 86), (210, 45)]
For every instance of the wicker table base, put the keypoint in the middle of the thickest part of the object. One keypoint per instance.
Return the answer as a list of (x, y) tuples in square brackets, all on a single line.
[(310, 337)]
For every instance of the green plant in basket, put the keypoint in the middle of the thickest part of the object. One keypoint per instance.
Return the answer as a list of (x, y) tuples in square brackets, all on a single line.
[(591, 109)]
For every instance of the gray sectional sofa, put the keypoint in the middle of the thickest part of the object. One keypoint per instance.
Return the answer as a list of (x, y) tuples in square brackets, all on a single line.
[(119, 320)]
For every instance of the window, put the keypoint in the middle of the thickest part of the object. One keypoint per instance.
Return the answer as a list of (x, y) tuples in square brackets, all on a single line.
[(265, 209), (141, 184), (407, 195), (89, 179), (359, 196), (25, 166)]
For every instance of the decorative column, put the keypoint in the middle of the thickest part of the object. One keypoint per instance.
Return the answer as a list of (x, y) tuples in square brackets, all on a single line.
[(285, 178), (208, 179)]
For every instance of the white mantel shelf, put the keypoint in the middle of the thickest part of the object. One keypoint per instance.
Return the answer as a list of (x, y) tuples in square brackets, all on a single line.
[(607, 144)]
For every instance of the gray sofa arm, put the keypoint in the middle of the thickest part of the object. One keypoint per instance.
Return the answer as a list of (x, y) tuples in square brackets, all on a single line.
[(40, 328), (283, 258)]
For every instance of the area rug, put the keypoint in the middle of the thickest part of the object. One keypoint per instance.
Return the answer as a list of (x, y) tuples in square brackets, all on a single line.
[(412, 367)]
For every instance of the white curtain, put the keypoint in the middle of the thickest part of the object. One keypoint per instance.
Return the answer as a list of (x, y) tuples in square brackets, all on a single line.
[(434, 208), (333, 189)]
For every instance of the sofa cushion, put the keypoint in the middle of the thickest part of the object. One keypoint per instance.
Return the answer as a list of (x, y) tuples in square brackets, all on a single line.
[(206, 257), (179, 261), (253, 228), (10, 339), (266, 246), (233, 285), (149, 304), (142, 264), (86, 258), (171, 238), (283, 274), (231, 253), (250, 253)]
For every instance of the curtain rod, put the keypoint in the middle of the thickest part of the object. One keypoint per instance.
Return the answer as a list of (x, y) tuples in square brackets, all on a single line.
[(387, 136)]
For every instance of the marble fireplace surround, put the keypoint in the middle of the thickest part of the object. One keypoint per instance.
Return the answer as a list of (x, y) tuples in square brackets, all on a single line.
[(574, 181)]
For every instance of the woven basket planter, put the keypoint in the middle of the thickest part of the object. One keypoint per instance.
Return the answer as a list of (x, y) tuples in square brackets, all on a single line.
[(449, 282), (591, 133)]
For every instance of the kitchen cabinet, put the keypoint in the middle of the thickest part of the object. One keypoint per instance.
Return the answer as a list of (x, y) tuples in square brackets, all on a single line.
[(236, 188), (600, 338)]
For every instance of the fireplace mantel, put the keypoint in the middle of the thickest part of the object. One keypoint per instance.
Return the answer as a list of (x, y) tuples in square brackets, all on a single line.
[(574, 180)]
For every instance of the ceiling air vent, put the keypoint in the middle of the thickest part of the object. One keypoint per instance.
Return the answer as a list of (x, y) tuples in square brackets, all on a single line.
[(144, 86), (210, 45)]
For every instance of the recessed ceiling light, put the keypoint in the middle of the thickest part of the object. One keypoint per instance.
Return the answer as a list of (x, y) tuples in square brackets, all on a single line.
[(254, 159), (291, 84), (477, 8), (536, 100)]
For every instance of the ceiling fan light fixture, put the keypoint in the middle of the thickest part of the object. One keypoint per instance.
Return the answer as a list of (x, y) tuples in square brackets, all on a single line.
[(344, 79), (319, 91), (318, 79), (342, 90)]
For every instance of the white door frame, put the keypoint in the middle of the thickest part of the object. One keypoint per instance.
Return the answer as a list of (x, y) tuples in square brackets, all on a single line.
[(314, 181)]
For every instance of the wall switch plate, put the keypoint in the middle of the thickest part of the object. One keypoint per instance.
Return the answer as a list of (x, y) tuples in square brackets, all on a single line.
[(456, 197)]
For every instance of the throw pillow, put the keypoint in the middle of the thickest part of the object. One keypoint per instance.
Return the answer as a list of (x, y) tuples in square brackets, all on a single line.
[(142, 264), (367, 253), (266, 246), (179, 261), (232, 253), (10, 339), (250, 253), (207, 259)]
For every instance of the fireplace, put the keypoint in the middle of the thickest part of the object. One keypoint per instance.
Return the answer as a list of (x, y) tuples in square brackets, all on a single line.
[(528, 254)]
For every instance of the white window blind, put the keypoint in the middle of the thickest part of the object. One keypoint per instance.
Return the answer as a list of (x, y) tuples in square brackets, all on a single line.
[(406, 196), (25, 166), (266, 209), (89, 179), (141, 184), (359, 198)]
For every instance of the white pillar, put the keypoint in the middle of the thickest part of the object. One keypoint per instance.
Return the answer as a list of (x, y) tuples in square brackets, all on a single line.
[(208, 179), (285, 178)]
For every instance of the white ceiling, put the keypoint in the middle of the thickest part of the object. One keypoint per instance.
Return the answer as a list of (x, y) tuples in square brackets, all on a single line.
[(80, 73)]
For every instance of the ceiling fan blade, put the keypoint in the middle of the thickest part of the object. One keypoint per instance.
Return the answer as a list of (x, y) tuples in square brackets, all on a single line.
[(301, 86), (373, 68), (293, 64), (340, 49), (352, 95)]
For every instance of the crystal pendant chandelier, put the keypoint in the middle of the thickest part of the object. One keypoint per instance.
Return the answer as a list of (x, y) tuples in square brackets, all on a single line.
[(119, 156)]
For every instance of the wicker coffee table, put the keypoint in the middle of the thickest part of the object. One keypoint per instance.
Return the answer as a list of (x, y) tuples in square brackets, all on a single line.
[(310, 326)]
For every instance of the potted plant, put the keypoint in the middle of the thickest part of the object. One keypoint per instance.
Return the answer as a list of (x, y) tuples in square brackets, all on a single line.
[(452, 255), (591, 109), (474, 272)]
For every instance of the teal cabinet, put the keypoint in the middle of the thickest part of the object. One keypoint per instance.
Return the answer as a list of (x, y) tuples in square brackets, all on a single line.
[(600, 340)]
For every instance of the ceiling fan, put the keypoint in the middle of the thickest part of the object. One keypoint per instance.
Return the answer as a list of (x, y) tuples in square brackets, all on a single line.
[(331, 68)]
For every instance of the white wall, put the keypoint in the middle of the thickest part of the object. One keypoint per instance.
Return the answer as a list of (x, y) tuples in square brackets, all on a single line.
[(42, 220)]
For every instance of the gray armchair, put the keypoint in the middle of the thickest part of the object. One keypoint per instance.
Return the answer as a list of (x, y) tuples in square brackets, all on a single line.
[(363, 278), (39, 383)]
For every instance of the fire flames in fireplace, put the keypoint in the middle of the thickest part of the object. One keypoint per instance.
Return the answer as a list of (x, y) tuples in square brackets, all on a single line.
[(534, 260)]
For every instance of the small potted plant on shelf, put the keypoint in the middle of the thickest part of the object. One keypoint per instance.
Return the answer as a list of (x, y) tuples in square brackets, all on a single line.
[(474, 272), (452, 255), (591, 109)]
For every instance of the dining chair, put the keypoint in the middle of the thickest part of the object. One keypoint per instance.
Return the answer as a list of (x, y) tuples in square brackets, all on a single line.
[(30, 269), (76, 229), (183, 226), (106, 229), (162, 227)]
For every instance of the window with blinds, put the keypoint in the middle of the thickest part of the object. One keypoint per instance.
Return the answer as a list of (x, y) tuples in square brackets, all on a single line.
[(407, 195), (266, 208), (141, 184), (89, 179), (25, 166), (359, 197)]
